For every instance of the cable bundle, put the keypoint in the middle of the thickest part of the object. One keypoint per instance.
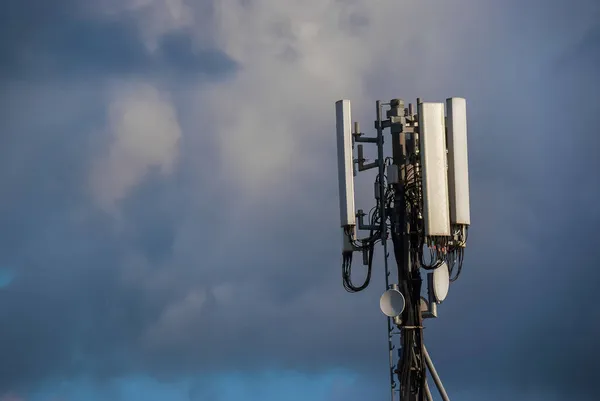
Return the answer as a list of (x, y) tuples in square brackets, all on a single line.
[(364, 245)]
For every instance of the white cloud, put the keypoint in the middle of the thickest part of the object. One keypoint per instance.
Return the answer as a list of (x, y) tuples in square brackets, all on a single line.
[(145, 133), (297, 57)]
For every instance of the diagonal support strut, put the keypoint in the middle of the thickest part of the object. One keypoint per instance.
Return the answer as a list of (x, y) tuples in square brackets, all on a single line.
[(435, 376)]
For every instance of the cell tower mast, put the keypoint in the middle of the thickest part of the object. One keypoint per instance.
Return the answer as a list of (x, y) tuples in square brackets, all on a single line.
[(422, 203)]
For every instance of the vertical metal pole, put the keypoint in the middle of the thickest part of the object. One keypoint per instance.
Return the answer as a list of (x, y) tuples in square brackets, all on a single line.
[(383, 229), (434, 375), (409, 280), (391, 355), (381, 160), (400, 243), (419, 315)]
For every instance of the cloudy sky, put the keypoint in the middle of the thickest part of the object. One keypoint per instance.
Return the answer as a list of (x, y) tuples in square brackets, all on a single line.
[(169, 211)]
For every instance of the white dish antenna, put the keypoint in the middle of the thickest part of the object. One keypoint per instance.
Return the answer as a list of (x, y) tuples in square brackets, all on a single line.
[(392, 303), (440, 282)]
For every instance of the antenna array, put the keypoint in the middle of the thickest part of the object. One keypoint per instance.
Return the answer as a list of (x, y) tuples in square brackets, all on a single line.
[(422, 205)]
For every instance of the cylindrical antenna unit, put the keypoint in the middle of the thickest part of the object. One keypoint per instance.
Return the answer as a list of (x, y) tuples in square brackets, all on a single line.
[(436, 212), (458, 161)]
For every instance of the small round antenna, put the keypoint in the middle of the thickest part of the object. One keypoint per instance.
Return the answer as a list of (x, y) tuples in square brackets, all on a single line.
[(441, 282), (391, 303)]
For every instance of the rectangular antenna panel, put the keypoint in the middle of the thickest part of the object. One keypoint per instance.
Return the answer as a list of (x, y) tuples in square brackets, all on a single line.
[(343, 127), (458, 161), (392, 174), (434, 166), (347, 240)]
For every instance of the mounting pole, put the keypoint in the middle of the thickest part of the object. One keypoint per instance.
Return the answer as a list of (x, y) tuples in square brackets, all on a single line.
[(412, 384), (399, 222), (384, 233)]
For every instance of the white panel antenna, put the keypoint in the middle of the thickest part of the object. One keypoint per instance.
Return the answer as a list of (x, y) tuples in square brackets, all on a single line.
[(345, 162), (434, 165), (458, 161)]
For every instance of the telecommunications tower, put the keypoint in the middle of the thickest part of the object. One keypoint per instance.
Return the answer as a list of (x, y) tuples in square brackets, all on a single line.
[(422, 205)]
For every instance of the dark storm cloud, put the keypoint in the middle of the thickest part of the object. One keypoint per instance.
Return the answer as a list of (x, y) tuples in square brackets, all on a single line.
[(41, 173), (533, 325), (66, 302), (56, 40), (562, 346), (88, 298), (515, 324)]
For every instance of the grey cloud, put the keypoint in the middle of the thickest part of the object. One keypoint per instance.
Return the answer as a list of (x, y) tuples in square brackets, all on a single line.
[(584, 54), (42, 41), (562, 343), (89, 298), (539, 299)]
